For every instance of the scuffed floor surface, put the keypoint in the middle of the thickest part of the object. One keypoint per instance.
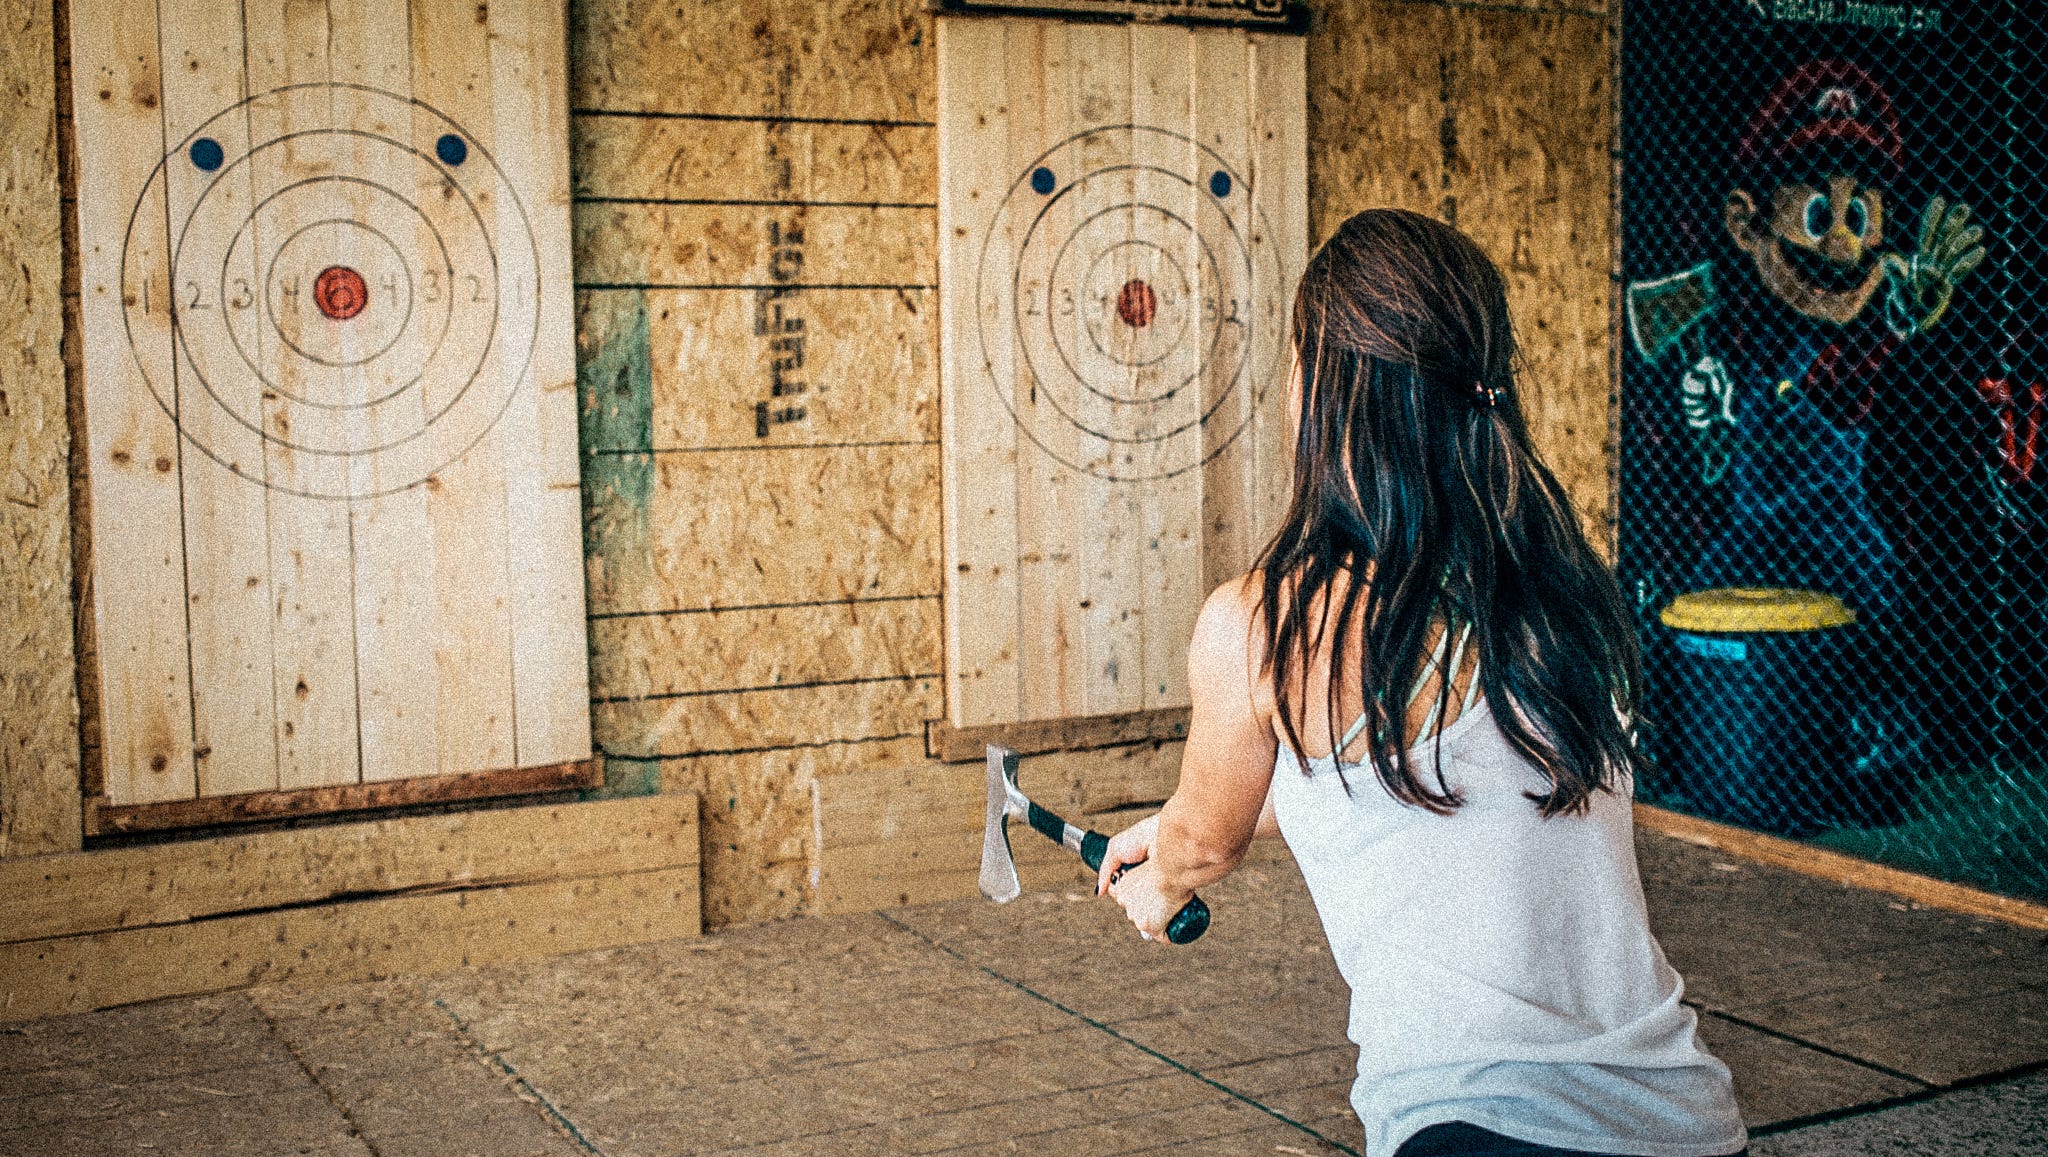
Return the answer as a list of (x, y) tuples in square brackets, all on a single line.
[(1855, 1024)]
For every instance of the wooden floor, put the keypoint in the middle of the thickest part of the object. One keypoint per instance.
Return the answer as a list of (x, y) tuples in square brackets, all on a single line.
[(1855, 1024)]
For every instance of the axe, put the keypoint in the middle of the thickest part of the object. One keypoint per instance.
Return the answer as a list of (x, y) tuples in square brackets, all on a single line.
[(999, 868)]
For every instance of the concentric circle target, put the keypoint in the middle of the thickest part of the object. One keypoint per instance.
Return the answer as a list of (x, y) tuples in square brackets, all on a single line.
[(1116, 295), (353, 300)]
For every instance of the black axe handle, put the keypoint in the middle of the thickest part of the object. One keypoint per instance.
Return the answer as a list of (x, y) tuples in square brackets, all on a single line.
[(1187, 925)]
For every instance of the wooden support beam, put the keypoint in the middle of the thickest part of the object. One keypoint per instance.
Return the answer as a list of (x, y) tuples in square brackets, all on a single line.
[(255, 806), (171, 883), (949, 744), (87, 930), (362, 940), (1841, 868)]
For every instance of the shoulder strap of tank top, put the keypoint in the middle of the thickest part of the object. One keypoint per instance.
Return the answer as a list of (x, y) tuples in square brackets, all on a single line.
[(1450, 676), (1435, 663)]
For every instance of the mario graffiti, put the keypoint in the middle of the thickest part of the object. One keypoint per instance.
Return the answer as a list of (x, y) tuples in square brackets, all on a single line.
[(1778, 351), (1775, 375)]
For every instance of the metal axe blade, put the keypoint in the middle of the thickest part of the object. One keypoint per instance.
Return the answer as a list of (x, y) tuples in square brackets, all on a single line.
[(998, 867)]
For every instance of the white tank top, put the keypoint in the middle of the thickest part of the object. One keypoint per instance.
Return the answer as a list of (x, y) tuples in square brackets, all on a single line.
[(1501, 965)]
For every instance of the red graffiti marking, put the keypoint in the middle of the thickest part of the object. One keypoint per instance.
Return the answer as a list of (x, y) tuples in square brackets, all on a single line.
[(340, 292), (1135, 304), (2020, 416)]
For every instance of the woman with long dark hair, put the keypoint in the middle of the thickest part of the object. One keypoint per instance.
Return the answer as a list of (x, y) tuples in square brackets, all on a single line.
[(1425, 688)]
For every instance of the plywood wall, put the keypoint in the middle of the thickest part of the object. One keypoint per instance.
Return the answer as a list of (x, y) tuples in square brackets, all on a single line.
[(755, 254), (1497, 118), (39, 751), (765, 587)]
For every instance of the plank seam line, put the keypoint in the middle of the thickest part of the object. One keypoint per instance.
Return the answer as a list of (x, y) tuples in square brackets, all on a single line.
[(659, 756), (841, 1131), (608, 452), (745, 118), (357, 895), (848, 603), (493, 1060), (177, 422), (355, 1129), (1930, 1093), (598, 700), (1802, 1042), (737, 202), (1101, 1027), (757, 286)]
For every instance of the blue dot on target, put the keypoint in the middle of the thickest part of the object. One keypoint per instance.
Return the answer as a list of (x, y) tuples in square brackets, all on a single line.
[(452, 150), (1042, 180), (1219, 183), (206, 154)]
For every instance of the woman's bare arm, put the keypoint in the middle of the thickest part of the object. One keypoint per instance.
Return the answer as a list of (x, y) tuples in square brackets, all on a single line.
[(1269, 824), (1226, 770)]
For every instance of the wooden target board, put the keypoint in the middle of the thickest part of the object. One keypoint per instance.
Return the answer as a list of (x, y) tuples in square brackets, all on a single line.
[(329, 386), (1122, 218)]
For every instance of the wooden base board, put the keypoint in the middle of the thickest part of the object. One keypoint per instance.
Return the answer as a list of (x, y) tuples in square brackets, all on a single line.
[(1841, 868), (93, 929), (104, 818)]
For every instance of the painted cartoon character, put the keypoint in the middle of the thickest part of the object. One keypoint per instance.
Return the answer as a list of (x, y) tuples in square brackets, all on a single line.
[(1775, 379), (1776, 375)]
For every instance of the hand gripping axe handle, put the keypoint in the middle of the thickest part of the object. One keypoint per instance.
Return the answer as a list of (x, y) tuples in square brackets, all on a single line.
[(999, 868)]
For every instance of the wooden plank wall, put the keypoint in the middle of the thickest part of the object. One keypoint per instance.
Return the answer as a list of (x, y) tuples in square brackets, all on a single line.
[(1069, 594), (375, 638), (39, 752), (764, 586)]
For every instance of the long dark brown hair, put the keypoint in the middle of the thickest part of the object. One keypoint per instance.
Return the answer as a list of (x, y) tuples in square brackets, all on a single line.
[(1414, 469)]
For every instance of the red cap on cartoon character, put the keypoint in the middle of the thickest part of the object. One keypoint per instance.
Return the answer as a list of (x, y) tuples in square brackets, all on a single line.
[(1825, 104)]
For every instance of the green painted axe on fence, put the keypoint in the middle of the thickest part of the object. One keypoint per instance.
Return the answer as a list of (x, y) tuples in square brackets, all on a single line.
[(999, 868)]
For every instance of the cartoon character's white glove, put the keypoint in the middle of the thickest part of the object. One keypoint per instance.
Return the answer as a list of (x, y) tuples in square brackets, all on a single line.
[(1708, 394), (1919, 286)]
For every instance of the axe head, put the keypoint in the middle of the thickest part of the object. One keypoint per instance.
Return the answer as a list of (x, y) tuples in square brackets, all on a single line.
[(998, 868)]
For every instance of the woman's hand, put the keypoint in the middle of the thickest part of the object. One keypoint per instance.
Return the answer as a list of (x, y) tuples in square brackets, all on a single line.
[(1147, 900), (1133, 845)]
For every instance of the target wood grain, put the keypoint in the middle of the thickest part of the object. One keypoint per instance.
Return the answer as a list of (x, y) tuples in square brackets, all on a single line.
[(1122, 219), (329, 378), (138, 580)]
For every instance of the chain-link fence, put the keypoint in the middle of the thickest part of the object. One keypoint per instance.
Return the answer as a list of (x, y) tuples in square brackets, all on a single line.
[(1834, 481)]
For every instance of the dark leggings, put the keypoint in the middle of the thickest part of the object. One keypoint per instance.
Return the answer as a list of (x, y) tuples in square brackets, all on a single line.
[(1458, 1139)]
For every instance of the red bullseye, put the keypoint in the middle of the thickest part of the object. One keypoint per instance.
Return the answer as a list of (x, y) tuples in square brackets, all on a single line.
[(1135, 304), (340, 292)]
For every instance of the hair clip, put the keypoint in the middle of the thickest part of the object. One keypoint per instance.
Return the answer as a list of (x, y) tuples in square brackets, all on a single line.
[(1481, 392)]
